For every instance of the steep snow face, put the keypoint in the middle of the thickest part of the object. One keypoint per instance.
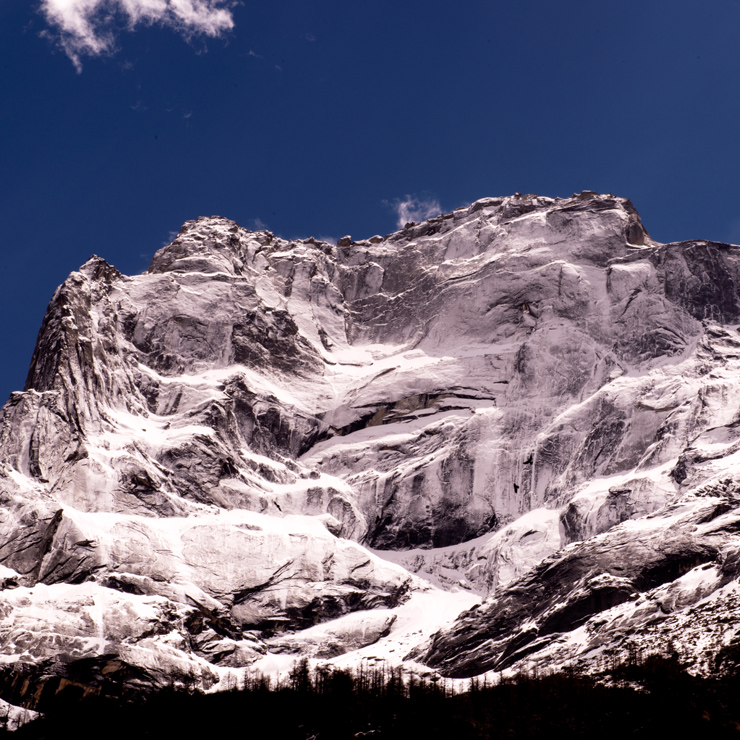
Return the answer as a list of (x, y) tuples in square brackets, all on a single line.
[(215, 460)]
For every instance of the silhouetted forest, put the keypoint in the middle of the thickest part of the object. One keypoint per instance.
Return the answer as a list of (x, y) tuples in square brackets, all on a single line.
[(652, 698)]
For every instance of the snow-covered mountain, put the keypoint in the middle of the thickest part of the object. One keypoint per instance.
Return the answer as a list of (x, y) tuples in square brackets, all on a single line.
[(507, 436)]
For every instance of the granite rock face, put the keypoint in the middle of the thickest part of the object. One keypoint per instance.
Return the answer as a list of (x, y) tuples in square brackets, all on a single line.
[(262, 448)]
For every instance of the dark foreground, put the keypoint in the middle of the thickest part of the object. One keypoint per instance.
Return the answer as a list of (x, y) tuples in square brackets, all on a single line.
[(654, 699)]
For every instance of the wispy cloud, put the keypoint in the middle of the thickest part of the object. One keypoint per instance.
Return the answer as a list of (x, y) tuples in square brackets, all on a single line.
[(413, 208), (170, 238), (87, 28)]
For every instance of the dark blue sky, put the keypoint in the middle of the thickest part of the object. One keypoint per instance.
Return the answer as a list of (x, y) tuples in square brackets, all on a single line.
[(313, 118)]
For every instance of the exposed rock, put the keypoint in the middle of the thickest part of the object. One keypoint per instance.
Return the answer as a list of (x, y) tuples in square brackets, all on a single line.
[(338, 637), (12, 718), (566, 589)]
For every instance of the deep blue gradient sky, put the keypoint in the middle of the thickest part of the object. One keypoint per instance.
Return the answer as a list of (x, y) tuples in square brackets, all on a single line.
[(314, 117)]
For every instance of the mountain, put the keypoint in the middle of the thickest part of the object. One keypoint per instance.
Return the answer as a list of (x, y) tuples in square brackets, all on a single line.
[(505, 437)]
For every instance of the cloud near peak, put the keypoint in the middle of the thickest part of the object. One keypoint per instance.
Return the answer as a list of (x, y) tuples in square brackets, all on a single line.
[(412, 208), (88, 27)]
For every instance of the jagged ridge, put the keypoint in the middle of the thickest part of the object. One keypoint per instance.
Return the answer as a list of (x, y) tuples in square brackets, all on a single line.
[(498, 399)]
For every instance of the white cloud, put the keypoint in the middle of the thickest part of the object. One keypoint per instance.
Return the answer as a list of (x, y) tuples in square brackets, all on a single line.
[(88, 27), (170, 238), (412, 208)]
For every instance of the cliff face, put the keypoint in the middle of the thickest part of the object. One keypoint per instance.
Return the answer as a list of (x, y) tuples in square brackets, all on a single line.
[(262, 448)]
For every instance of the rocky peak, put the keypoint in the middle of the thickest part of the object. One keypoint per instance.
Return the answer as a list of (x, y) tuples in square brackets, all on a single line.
[(260, 435)]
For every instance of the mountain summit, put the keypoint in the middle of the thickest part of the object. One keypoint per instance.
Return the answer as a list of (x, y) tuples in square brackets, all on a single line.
[(505, 437)]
